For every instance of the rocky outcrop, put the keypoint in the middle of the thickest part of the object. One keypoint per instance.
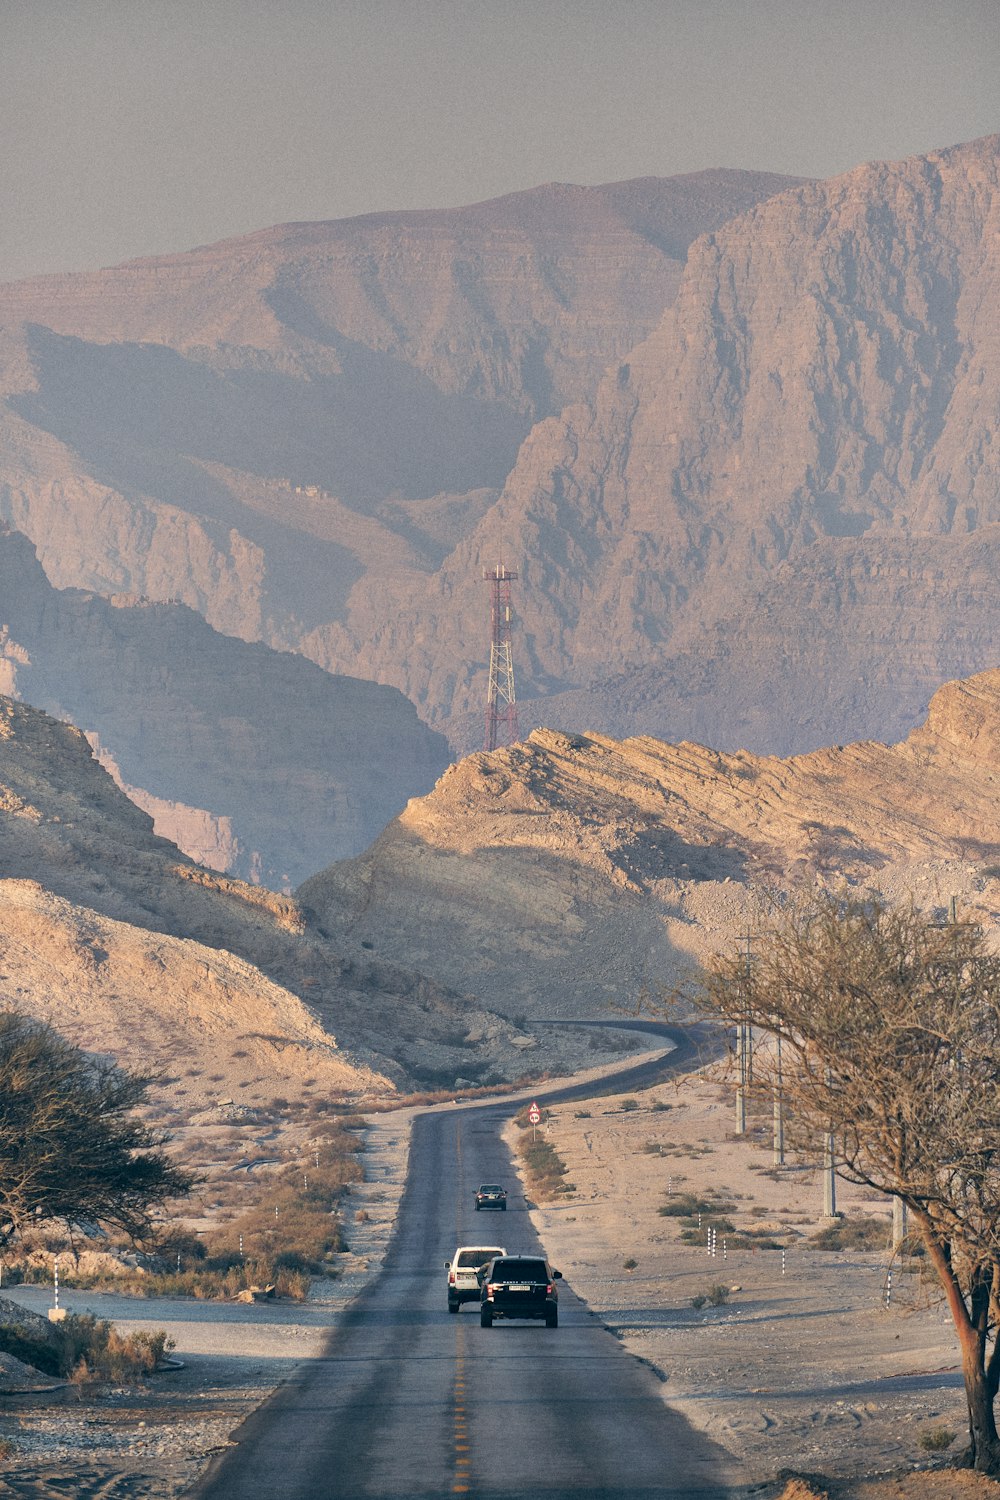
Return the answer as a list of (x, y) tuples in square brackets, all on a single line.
[(112, 934), (253, 761), (574, 874)]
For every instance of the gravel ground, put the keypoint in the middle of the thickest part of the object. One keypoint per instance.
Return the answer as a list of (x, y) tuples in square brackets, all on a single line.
[(804, 1369)]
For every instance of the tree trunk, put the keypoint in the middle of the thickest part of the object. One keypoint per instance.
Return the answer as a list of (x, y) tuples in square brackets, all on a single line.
[(984, 1441), (983, 1453)]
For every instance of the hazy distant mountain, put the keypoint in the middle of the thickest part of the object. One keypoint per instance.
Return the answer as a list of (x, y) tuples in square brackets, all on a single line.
[(251, 760), (774, 520), (779, 521), (254, 427)]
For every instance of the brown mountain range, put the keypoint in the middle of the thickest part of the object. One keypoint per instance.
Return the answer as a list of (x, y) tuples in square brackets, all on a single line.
[(572, 874), (565, 877), (771, 523)]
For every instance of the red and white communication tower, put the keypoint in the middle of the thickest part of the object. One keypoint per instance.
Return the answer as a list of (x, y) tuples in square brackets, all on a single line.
[(501, 707)]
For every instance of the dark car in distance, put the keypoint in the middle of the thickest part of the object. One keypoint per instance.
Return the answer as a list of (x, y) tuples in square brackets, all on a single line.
[(491, 1195), (519, 1286)]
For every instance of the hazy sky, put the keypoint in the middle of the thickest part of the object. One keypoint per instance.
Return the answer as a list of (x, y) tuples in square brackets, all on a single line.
[(136, 126)]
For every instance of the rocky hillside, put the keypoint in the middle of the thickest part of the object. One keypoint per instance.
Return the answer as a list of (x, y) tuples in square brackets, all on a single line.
[(571, 873), (778, 522), (251, 760), (253, 427), (128, 946)]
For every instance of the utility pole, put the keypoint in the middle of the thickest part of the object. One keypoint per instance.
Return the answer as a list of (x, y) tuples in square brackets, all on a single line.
[(898, 1223), (829, 1172), (779, 1106), (744, 1053)]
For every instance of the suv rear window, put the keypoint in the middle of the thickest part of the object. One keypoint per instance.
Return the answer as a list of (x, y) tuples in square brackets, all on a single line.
[(477, 1257), (520, 1270)]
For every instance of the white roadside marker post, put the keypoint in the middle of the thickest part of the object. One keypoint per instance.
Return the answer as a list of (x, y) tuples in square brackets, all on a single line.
[(56, 1313)]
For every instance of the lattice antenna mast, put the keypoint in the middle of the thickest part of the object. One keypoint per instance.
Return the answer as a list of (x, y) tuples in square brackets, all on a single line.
[(501, 707)]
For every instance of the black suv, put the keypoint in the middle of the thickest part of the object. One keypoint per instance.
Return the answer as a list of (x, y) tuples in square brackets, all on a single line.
[(519, 1286), (491, 1195)]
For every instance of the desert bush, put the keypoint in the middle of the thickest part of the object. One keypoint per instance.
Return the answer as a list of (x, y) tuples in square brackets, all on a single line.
[(72, 1148), (628, 1105), (544, 1168), (853, 1234), (92, 1350), (83, 1348), (716, 1296), (937, 1439), (689, 1205), (693, 1234)]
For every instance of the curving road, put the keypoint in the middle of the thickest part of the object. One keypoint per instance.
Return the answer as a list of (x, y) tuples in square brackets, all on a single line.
[(411, 1402)]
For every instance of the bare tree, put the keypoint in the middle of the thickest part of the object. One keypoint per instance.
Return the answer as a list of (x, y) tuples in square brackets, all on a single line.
[(890, 1043), (71, 1147)]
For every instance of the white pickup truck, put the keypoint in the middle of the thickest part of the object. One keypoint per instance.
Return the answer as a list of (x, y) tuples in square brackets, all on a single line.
[(463, 1281)]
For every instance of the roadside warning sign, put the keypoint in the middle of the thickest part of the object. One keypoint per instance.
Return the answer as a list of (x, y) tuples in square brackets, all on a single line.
[(534, 1114)]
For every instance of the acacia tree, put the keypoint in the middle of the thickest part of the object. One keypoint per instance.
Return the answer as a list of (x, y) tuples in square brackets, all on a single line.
[(890, 1044), (72, 1149)]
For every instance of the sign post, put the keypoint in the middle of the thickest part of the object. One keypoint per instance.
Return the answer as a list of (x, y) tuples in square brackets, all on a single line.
[(534, 1115)]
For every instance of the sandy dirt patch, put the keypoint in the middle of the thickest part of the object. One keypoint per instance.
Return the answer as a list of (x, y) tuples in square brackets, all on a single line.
[(805, 1369)]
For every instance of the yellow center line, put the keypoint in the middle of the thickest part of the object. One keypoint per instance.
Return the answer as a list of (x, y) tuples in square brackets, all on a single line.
[(461, 1464)]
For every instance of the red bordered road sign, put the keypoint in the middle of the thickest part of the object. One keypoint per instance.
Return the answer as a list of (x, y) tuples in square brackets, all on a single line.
[(534, 1114)]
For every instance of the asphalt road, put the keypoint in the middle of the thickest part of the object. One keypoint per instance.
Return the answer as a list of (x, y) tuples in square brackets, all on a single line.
[(409, 1401)]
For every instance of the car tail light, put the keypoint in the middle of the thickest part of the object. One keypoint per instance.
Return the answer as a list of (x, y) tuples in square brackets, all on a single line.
[(490, 1289), (451, 1278), (549, 1289)]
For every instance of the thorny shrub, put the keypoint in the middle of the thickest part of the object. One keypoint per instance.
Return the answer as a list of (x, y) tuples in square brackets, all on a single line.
[(85, 1349)]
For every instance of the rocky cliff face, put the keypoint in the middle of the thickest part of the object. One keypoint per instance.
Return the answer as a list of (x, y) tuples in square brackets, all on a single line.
[(112, 934), (777, 523), (252, 761), (254, 427), (523, 299), (772, 521), (574, 873)]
